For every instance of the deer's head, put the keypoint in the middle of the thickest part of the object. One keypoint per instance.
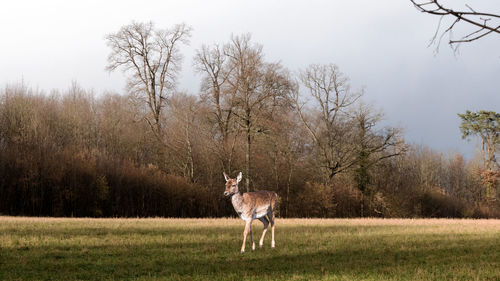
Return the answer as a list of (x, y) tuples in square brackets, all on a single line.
[(232, 184)]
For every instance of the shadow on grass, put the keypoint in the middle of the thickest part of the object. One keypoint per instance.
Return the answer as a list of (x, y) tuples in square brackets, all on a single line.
[(219, 259)]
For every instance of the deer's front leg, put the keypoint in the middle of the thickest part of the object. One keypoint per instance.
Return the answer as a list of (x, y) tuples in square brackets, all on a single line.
[(245, 233)]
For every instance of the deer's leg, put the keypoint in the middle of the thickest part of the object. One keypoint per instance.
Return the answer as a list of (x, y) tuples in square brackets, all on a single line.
[(266, 223), (251, 237), (271, 219), (245, 233)]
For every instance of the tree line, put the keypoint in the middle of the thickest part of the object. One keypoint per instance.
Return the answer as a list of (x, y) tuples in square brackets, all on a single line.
[(155, 151)]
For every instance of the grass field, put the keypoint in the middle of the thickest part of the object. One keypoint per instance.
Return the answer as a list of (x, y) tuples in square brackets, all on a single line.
[(203, 249)]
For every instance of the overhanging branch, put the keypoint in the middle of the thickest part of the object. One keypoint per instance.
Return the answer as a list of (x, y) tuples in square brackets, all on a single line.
[(486, 23)]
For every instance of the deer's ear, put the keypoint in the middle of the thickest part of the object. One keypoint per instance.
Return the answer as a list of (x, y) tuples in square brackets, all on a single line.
[(225, 176), (238, 179)]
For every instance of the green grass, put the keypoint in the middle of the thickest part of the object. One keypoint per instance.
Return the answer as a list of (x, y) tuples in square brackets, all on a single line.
[(202, 249)]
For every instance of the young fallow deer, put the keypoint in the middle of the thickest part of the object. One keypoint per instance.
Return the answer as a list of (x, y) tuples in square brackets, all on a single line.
[(252, 205)]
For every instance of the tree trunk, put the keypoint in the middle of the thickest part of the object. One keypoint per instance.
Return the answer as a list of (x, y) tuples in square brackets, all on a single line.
[(288, 184), (275, 169), (247, 158), (190, 161), (362, 211)]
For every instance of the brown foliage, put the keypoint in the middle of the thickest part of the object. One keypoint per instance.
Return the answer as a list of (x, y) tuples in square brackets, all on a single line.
[(78, 154)]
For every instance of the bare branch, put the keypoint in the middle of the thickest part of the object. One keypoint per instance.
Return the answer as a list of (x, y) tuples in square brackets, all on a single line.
[(486, 23), (151, 58)]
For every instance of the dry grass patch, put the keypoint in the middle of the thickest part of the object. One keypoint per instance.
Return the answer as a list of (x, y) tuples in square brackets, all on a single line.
[(201, 249)]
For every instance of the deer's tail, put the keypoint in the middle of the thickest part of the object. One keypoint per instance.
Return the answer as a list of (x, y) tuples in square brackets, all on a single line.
[(274, 200)]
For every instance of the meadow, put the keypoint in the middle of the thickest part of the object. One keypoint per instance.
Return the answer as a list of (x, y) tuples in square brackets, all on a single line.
[(208, 249)]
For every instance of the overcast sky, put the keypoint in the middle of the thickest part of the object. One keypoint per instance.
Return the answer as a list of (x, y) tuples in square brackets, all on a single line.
[(381, 45)]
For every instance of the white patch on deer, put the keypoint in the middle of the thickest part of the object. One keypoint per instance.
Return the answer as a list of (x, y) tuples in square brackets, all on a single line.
[(260, 212), (244, 218)]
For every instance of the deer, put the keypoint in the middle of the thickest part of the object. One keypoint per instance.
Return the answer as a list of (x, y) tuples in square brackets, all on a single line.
[(252, 205)]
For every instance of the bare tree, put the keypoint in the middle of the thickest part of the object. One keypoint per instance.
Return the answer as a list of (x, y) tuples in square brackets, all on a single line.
[(257, 87), (371, 146), (344, 137), (286, 147), (213, 64), (182, 128), (152, 59), (485, 23), (332, 95), (246, 59)]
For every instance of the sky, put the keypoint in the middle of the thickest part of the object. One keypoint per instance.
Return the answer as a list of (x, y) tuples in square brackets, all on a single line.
[(382, 46)]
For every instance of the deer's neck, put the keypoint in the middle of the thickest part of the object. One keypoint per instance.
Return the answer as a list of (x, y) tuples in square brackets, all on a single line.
[(237, 200)]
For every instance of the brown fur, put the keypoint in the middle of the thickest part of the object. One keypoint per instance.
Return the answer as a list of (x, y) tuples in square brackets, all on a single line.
[(259, 198), (252, 205)]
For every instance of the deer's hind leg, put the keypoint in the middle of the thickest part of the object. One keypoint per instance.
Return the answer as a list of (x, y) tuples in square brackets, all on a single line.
[(251, 237), (265, 221), (271, 219)]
